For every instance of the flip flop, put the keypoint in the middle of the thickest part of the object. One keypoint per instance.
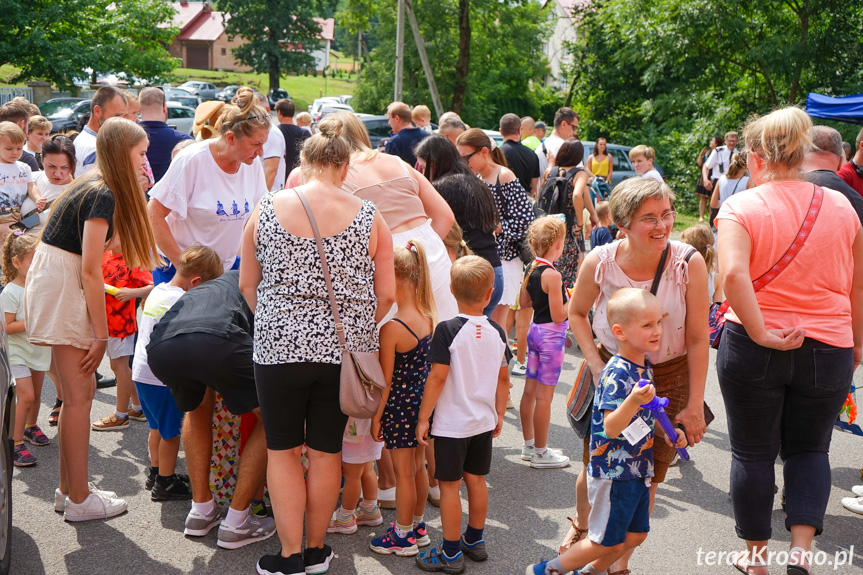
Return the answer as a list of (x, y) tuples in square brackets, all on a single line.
[(54, 416)]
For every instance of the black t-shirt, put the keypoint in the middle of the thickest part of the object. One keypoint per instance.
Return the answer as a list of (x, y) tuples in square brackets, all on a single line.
[(216, 307), (65, 227), (541, 307), (829, 179), (30, 160), (482, 243), (294, 138), (522, 161)]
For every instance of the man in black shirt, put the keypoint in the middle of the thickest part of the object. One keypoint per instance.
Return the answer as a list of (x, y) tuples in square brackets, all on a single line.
[(521, 159), (294, 135), (823, 160)]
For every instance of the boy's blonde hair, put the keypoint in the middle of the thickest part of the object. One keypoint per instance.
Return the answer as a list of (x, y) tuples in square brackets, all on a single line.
[(602, 209), (421, 112), (700, 236), (17, 245), (411, 265), (39, 123), (642, 150), (626, 303), (11, 130), (471, 278), (180, 145), (200, 261), (303, 119)]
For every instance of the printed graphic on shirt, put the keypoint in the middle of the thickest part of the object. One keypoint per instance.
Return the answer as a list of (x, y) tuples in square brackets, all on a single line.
[(235, 211), (13, 184), (616, 458)]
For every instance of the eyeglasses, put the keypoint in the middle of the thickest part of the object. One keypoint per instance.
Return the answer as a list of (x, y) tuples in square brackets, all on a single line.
[(469, 156), (667, 219)]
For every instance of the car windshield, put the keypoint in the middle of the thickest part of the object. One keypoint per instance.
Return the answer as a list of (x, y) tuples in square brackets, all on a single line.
[(58, 109)]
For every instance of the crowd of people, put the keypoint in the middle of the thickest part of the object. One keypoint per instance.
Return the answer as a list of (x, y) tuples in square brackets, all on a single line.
[(249, 262)]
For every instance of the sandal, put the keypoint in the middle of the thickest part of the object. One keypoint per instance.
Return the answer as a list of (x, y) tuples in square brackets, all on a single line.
[(54, 416), (796, 568), (574, 534), (745, 570)]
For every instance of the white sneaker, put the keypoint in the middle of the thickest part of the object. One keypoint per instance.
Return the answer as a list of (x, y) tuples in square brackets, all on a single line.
[(510, 404), (97, 506), (518, 368), (549, 460), (853, 504), (387, 498), (434, 495), (527, 452), (60, 498), (857, 490)]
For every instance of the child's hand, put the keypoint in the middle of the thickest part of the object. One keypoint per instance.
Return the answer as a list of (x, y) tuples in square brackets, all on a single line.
[(642, 395), (376, 431), (422, 432), (681, 439), (498, 427), (40, 204), (125, 294)]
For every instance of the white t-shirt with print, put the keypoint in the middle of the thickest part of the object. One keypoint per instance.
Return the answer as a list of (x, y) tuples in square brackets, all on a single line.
[(85, 151), (157, 305), (208, 206), (14, 179), (275, 147)]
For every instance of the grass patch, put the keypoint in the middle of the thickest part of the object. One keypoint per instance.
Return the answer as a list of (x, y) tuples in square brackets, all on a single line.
[(7, 72), (683, 221)]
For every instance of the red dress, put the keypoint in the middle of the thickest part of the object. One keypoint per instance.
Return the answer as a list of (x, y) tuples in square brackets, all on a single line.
[(121, 314)]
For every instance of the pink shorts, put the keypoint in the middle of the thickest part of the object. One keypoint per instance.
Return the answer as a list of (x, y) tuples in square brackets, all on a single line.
[(363, 452)]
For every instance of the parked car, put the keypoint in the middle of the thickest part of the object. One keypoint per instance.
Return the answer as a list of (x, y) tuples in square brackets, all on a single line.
[(315, 108), (64, 113), (7, 417), (180, 117), (205, 90), (276, 95), (189, 101), (377, 127), (227, 93), (494, 135), (620, 156), (172, 93), (346, 99), (328, 109)]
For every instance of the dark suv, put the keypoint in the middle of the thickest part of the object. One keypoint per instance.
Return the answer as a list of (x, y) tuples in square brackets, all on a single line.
[(377, 127)]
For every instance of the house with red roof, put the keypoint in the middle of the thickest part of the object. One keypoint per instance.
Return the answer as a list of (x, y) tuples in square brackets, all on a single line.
[(203, 43)]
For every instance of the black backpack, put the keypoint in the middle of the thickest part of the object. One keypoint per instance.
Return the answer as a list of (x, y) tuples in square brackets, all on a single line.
[(552, 195)]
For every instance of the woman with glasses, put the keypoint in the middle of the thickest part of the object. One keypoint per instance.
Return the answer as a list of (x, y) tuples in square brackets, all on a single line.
[(211, 187), (644, 209)]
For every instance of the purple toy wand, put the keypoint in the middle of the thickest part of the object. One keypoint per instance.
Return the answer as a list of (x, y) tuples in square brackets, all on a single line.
[(657, 405)]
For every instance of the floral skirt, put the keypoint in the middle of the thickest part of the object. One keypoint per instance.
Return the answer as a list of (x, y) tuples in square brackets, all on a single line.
[(567, 265)]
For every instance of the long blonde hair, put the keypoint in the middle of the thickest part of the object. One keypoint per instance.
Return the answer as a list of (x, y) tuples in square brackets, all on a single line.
[(542, 234), (115, 170), (411, 265)]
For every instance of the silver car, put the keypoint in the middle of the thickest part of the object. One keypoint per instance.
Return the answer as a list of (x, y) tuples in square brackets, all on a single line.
[(204, 90), (181, 118)]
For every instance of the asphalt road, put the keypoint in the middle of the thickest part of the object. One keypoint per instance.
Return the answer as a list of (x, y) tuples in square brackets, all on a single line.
[(527, 513)]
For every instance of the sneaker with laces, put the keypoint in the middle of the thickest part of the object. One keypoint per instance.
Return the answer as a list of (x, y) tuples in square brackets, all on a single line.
[(539, 569), (35, 436), (549, 460), (437, 561), (252, 530), (369, 518), (392, 544), (97, 505), (199, 524), (278, 565), (110, 423), (60, 497), (345, 524), (527, 452), (317, 559), (174, 489), (137, 414), (857, 490), (22, 457), (853, 504), (422, 535), (152, 473), (518, 368), (474, 551)]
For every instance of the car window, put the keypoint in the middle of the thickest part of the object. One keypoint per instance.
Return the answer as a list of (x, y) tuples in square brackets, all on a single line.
[(180, 113), (621, 160), (211, 86), (378, 128)]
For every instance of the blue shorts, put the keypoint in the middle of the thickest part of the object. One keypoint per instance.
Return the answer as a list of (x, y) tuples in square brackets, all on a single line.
[(166, 273), (617, 508), (160, 408)]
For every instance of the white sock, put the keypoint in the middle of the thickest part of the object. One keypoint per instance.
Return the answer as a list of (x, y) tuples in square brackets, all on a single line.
[(417, 520), (235, 518), (121, 414), (369, 504), (529, 443), (205, 508), (401, 531), (136, 407), (539, 451)]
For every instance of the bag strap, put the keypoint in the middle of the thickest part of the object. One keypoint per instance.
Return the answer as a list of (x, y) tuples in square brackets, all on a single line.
[(659, 269), (340, 328), (797, 244)]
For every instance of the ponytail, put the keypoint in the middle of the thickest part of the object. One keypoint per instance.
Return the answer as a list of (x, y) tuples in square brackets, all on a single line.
[(411, 264), (498, 157)]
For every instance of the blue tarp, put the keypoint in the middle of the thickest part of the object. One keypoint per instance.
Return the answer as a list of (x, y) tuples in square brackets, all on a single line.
[(846, 109)]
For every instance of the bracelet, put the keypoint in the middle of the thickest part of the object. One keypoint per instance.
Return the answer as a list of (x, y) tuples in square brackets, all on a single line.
[(100, 339)]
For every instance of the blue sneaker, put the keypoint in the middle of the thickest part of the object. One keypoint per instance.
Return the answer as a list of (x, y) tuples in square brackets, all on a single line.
[(474, 551), (436, 561), (391, 544), (539, 569), (422, 535)]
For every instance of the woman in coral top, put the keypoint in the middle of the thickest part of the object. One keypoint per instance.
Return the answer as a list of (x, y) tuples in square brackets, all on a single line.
[(789, 350)]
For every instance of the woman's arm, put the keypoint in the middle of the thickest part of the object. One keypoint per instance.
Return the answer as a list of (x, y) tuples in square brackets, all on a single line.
[(697, 349), (856, 298), (92, 250), (434, 205), (552, 284), (250, 269), (735, 247), (610, 168), (164, 238), (381, 252), (585, 293), (586, 199)]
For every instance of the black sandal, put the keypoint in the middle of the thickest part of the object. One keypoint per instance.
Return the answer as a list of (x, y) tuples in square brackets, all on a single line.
[(54, 416)]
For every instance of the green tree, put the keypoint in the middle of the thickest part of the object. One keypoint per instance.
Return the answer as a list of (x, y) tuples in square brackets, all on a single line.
[(280, 34)]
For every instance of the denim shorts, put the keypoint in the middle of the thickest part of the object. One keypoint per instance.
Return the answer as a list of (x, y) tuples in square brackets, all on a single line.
[(617, 508)]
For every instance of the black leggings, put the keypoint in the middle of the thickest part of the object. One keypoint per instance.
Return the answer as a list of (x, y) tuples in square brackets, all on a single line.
[(300, 404), (780, 403)]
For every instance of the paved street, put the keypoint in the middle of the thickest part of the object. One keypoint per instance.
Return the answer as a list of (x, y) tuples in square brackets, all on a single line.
[(527, 515)]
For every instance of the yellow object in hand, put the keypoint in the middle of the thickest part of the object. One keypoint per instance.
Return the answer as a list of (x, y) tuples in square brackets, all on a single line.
[(111, 289)]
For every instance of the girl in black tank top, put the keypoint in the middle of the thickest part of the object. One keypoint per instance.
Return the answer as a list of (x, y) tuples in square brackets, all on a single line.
[(543, 288)]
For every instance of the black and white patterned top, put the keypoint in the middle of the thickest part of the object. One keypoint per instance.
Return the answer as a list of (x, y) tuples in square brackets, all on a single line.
[(294, 321), (516, 214)]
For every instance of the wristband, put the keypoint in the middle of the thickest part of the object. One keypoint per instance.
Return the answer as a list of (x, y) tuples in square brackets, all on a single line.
[(100, 339)]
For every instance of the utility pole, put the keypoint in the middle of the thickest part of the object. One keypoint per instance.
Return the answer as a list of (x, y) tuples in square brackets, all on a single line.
[(400, 49), (421, 48)]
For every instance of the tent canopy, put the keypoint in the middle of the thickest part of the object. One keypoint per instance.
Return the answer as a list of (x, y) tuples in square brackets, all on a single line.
[(846, 109)]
